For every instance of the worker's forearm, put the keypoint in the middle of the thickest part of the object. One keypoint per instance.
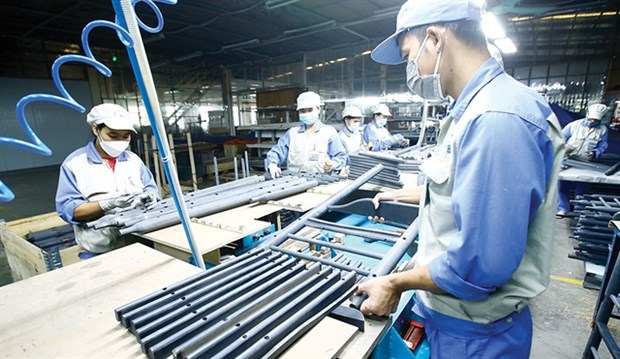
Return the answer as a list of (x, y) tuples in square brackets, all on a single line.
[(87, 211), (416, 278), (409, 195)]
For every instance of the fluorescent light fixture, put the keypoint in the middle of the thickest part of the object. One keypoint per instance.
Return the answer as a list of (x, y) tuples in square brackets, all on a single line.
[(240, 44), (329, 23), (505, 45), (391, 11), (189, 56), (491, 26), (274, 4), (160, 64)]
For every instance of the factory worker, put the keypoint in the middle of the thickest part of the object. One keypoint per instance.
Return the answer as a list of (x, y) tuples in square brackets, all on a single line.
[(586, 139), (351, 134), (488, 202), (377, 135), (103, 177), (311, 147)]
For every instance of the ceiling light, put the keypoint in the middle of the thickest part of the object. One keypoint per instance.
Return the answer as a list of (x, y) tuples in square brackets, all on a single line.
[(274, 4), (240, 44), (491, 26), (329, 23), (189, 56)]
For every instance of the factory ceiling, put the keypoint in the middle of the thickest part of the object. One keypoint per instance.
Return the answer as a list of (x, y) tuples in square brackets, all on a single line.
[(235, 32)]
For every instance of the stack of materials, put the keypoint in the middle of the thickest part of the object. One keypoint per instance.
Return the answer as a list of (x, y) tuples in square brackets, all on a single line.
[(389, 176), (51, 241), (204, 202), (593, 213)]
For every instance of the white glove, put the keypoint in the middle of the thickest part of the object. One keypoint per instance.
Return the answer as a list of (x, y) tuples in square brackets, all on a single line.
[(120, 202), (327, 166), (274, 170), (345, 171), (145, 199), (397, 139)]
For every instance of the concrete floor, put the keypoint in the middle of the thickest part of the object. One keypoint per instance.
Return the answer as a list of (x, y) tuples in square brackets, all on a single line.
[(562, 314)]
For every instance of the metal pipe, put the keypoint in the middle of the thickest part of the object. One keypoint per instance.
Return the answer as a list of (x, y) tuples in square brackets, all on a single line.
[(336, 246), (370, 233), (328, 262), (247, 162), (215, 171), (236, 171)]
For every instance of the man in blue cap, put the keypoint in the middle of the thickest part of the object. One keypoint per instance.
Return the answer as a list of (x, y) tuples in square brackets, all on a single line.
[(488, 203)]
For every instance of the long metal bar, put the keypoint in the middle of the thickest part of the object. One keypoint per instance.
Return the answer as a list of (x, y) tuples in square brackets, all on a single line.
[(126, 17), (213, 272), (216, 172), (328, 262), (273, 342), (336, 246), (206, 292), (201, 305), (161, 343), (247, 162), (318, 210), (370, 233), (204, 342), (235, 348), (271, 195)]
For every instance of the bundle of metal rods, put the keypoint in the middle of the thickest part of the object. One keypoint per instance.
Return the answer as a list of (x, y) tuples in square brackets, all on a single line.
[(389, 176), (593, 213), (51, 241), (204, 202)]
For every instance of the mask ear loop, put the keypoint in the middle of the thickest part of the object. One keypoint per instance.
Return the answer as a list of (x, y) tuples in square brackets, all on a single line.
[(437, 63), (417, 57)]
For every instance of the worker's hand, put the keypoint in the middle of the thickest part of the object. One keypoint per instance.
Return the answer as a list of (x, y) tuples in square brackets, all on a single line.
[(146, 199), (369, 146), (274, 170), (591, 155), (327, 166), (117, 203), (396, 139), (345, 171), (383, 196), (569, 150), (404, 142), (382, 299)]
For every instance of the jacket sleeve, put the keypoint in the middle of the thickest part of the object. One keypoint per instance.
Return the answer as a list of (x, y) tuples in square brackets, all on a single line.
[(337, 152), (68, 197), (278, 153), (601, 146)]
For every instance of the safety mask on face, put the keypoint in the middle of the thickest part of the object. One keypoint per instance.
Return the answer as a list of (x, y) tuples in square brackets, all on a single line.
[(113, 148), (309, 118), (429, 86), (353, 126), (592, 123), (381, 122)]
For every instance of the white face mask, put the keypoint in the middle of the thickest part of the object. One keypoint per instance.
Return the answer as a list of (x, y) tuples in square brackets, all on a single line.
[(428, 87), (354, 127), (113, 148), (381, 121), (309, 118)]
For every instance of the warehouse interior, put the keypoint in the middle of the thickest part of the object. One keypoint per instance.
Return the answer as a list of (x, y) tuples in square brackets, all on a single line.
[(227, 76)]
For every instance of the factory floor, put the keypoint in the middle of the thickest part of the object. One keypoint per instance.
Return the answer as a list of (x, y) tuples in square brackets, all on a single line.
[(561, 315)]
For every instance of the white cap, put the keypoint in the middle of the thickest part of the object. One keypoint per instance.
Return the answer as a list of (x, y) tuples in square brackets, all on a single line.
[(111, 115), (416, 13), (596, 111), (382, 109), (351, 111), (308, 99)]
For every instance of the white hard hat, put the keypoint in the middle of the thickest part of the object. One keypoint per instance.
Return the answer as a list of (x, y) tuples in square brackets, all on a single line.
[(596, 111), (351, 111), (111, 115), (308, 99), (382, 109)]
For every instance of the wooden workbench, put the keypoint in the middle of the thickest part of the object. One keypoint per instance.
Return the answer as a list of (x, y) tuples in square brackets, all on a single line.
[(69, 312)]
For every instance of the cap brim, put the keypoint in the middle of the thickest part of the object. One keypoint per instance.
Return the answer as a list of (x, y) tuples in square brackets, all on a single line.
[(388, 52), (119, 125)]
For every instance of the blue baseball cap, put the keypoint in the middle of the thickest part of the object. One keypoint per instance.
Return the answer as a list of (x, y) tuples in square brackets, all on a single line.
[(416, 13)]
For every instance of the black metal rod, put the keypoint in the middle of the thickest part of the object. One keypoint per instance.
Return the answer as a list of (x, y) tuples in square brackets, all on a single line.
[(336, 246), (328, 262), (376, 234)]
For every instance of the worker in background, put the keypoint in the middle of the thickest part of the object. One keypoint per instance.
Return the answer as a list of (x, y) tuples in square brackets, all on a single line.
[(351, 134), (103, 177), (489, 198), (586, 139), (312, 147), (377, 135)]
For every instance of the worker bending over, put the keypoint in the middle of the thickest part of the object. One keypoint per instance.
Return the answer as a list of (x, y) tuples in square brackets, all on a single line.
[(488, 202), (312, 147), (103, 177), (586, 139), (377, 135)]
